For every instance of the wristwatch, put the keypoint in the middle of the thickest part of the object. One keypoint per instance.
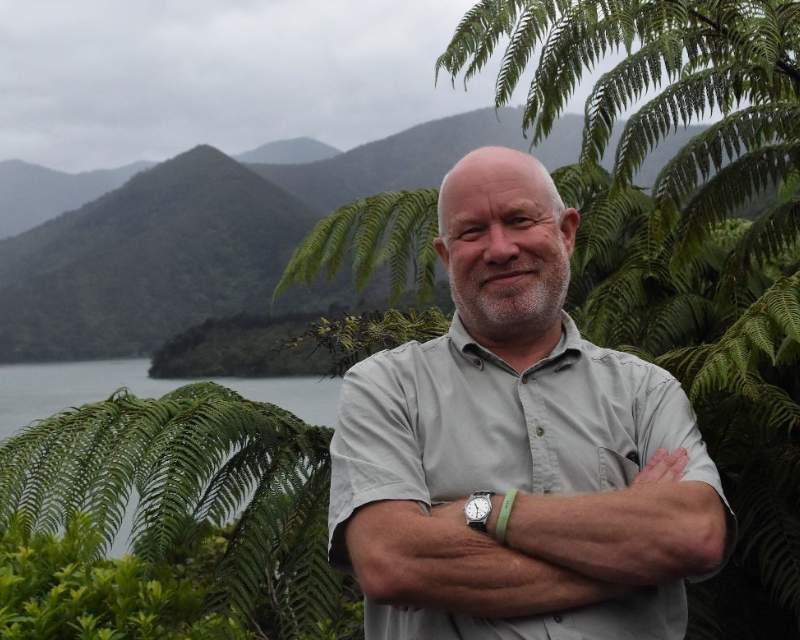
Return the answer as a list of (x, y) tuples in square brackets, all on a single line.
[(478, 509)]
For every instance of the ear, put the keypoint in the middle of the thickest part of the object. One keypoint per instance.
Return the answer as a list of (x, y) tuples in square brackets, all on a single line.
[(441, 249), (570, 221)]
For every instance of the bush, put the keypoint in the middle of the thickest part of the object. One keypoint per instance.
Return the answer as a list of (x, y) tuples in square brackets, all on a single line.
[(52, 587)]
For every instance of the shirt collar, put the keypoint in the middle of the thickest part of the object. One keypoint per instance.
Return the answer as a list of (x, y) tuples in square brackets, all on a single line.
[(567, 351)]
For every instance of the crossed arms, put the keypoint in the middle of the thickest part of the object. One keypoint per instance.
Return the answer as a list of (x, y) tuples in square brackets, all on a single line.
[(563, 551)]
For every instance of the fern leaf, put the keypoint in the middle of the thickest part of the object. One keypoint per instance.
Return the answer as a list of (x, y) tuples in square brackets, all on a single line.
[(731, 187)]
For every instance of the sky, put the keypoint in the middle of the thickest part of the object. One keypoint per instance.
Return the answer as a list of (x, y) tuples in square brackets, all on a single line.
[(91, 84)]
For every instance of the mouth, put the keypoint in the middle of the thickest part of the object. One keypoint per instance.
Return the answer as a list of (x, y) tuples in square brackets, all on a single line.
[(508, 277)]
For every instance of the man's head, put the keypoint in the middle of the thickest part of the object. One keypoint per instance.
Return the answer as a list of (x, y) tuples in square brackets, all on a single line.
[(506, 240)]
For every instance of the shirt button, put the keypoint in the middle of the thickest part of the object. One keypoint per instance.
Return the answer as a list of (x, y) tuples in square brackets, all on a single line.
[(539, 431), (558, 617), (524, 379)]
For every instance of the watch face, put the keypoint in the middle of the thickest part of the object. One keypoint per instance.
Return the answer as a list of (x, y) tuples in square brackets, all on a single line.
[(477, 508)]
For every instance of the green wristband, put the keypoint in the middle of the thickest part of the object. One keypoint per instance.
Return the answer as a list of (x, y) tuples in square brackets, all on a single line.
[(505, 512)]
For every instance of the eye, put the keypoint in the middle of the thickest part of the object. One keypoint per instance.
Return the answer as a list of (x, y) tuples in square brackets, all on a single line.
[(470, 233), (521, 221)]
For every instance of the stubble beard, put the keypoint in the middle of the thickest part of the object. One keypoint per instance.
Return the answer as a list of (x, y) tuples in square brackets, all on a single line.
[(529, 307)]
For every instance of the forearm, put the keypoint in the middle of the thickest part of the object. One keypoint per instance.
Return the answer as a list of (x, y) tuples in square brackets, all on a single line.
[(437, 564), (646, 534)]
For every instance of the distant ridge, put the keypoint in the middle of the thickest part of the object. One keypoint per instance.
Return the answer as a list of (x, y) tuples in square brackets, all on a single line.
[(293, 151), (31, 194), (197, 236), (420, 156)]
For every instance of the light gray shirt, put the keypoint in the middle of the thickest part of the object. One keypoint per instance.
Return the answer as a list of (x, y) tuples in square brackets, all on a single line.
[(433, 422)]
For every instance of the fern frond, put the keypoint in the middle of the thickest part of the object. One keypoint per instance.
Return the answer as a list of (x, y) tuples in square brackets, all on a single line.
[(389, 227), (528, 32), (477, 35), (352, 337), (772, 238), (577, 40), (577, 185), (722, 142), (608, 312), (326, 240), (731, 187), (681, 319), (616, 90), (410, 241), (759, 330), (771, 530), (602, 223)]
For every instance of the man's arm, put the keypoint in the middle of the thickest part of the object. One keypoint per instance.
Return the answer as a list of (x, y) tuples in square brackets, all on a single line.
[(655, 531), (404, 557)]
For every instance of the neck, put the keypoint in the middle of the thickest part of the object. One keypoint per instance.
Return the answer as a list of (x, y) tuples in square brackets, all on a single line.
[(521, 348)]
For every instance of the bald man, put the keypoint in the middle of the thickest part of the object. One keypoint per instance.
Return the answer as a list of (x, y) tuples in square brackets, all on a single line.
[(510, 479)]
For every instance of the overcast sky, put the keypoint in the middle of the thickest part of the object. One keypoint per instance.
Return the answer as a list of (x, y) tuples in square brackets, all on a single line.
[(90, 84)]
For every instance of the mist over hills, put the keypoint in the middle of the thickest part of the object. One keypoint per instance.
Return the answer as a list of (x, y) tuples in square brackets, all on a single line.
[(293, 151), (31, 195), (197, 236)]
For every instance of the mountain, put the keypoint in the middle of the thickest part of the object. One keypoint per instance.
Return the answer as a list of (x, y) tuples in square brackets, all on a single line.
[(30, 194), (197, 236), (294, 151), (420, 156)]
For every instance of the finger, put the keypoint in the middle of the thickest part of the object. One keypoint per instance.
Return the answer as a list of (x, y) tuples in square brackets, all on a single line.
[(658, 456), (662, 464), (675, 472)]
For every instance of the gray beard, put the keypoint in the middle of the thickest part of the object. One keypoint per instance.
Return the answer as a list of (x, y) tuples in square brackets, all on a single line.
[(501, 319)]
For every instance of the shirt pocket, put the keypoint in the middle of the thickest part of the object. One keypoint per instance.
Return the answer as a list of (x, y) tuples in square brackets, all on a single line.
[(616, 471)]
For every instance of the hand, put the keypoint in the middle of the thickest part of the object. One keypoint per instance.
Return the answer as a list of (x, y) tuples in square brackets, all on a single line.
[(663, 467)]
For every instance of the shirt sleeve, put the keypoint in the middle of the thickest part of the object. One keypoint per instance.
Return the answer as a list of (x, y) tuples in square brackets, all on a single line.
[(667, 421), (374, 452)]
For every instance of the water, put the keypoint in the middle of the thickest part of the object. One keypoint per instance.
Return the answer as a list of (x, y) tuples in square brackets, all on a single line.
[(30, 392)]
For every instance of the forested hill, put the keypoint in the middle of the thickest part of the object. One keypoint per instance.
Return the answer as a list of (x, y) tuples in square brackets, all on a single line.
[(197, 236), (420, 156)]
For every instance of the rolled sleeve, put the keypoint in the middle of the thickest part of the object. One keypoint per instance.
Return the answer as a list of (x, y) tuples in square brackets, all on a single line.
[(670, 423), (374, 453)]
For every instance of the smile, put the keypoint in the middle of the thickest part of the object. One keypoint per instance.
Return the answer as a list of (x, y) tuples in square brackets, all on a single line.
[(506, 278)]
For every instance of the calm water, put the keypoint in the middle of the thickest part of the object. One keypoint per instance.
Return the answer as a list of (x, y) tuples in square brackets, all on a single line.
[(31, 392)]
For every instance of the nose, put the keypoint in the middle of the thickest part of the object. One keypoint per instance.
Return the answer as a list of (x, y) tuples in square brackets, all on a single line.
[(500, 245)]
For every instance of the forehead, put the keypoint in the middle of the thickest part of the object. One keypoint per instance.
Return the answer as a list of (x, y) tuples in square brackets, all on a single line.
[(480, 188)]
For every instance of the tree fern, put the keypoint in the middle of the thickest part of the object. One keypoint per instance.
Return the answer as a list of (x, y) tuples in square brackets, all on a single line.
[(200, 454), (757, 333), (378, 230)]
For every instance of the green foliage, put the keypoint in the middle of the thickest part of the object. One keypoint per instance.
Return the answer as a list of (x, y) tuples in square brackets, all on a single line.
[(390, 228), (245, 345), (197, 457), (353, 338), (49, 588)]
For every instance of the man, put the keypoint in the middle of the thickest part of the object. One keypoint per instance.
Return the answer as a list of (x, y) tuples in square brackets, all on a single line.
[(595, 545)]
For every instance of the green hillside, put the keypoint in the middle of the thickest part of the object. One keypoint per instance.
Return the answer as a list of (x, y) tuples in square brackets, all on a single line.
[(194, 237)]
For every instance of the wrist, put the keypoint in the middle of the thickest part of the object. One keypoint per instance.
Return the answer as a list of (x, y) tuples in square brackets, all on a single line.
[(491, 523)]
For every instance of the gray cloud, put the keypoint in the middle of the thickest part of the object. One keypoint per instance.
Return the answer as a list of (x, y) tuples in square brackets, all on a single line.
[(93, 83)]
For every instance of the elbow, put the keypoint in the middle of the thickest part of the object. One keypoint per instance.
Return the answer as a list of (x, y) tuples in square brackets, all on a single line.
[(704, 552), (382, 581)]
